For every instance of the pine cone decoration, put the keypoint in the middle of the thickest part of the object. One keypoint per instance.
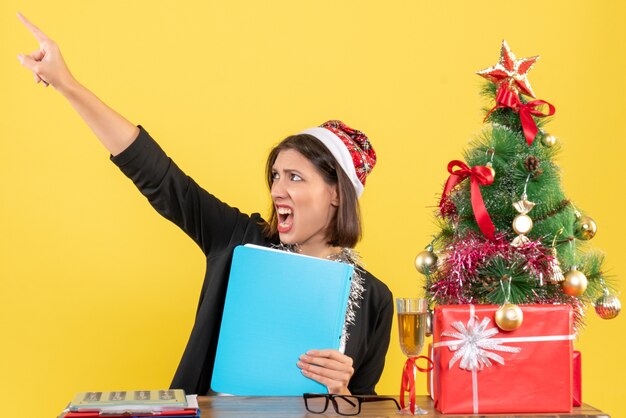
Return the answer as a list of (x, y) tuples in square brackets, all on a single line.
[(531, 164), (489, 283)]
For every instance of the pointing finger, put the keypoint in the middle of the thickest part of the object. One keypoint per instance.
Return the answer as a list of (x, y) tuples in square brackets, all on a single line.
[(37, 33)]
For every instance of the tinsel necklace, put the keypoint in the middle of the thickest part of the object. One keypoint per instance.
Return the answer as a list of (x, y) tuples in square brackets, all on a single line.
[(347, 256)]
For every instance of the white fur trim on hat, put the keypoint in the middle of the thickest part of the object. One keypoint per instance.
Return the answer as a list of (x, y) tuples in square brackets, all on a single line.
[(339, 150)]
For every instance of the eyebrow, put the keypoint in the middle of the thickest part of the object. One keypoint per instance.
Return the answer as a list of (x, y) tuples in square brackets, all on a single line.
[(287, 170)]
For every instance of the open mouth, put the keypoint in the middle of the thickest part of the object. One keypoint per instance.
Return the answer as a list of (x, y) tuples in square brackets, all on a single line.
[(285, 219)]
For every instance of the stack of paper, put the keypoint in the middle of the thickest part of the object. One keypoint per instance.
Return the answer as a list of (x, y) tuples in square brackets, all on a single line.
[(133, 403)]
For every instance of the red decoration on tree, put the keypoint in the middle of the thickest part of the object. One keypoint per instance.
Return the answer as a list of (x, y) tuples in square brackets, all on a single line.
[(510, 71), (508, 98), (479, 175)]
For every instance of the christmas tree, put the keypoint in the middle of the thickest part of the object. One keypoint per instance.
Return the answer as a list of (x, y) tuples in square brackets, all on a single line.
[(508, 232)]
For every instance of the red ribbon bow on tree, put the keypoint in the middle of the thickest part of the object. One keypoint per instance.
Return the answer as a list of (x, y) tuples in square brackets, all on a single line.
[(408, 379), (479, 175), (507, 97)]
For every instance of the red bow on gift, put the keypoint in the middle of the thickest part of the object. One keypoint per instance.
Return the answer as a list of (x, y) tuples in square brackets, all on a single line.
[(408, 379), (479, 175), (506, 97)]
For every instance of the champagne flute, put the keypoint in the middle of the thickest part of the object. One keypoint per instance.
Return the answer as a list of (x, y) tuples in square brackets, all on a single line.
[(412, 317)]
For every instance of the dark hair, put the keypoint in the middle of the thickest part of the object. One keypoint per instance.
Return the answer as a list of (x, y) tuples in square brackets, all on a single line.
[(345, 227)]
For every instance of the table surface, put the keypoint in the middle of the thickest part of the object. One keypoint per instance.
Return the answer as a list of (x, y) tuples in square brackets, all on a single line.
[(279, 407)]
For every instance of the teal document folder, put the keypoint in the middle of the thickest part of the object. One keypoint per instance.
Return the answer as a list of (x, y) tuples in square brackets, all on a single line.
[(278, 306)]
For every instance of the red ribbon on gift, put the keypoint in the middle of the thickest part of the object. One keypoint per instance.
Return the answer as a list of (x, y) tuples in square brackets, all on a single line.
[(479, 175), (506, 97), (408, 379)]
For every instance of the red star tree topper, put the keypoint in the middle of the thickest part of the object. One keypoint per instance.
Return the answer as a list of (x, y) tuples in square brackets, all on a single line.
[(511, 71)]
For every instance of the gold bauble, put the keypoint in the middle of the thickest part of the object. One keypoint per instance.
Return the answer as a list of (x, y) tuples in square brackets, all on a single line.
[(608, 306), (426, 262), (548, 140), (575, 283), (522, 224), (585, 228), (509, 317)]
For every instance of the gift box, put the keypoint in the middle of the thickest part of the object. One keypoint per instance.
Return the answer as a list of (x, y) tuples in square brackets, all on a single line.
[(577, 389), (479, 368), (577, 392)]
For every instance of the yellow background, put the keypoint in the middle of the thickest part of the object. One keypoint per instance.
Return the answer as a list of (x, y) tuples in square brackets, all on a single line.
[(97, 292)]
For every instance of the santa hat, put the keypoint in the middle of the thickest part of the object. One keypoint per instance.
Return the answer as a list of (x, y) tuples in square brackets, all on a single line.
[(351, 148)]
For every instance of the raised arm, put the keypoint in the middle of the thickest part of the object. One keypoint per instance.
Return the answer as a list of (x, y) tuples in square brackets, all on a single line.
[(212, 224), (114, 131)]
